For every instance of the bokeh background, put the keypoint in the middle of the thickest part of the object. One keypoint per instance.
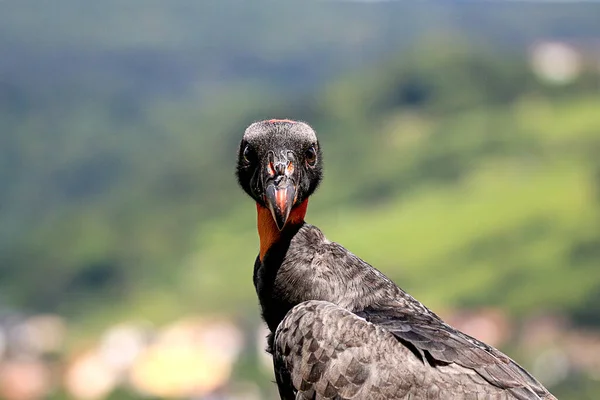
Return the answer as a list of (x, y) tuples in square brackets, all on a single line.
[(462, 157)]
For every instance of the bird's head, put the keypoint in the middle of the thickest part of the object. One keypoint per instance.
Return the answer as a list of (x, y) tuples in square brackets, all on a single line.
[(279, 165)]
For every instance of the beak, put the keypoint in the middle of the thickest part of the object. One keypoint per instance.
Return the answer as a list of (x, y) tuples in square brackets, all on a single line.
[(280, 186), (280, 196)]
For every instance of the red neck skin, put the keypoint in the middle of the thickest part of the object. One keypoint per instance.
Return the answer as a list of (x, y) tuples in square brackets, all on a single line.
[(268, 232)]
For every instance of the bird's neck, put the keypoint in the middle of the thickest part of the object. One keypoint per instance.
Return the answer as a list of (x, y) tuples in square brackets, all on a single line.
[(268, 232)]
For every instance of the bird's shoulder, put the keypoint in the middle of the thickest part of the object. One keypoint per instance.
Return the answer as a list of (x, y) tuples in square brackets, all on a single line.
[(324, 349), (327, 264)]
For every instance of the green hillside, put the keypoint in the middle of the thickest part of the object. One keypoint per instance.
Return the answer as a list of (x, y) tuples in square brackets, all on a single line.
[(492, 205)]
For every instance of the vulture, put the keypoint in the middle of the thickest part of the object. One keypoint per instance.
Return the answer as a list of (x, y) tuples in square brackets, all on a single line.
[(339, 328)]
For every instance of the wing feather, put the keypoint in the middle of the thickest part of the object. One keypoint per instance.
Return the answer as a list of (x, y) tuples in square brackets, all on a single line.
[(443, 343), (344, 356)]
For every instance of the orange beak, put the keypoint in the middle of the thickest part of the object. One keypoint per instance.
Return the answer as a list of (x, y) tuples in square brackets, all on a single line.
[(280, 199)]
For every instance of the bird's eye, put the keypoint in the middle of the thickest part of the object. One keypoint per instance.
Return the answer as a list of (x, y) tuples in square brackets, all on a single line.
[(248, 154), (311, 155)]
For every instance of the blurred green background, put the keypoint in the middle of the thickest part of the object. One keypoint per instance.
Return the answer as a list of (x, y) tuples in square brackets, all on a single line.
[(462, 158)]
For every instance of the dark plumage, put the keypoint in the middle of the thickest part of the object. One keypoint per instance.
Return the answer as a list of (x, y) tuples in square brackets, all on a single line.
[(340, 329)]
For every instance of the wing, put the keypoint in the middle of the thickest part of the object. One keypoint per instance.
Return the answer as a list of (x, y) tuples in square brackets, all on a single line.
[(322, 351), (436, 343)]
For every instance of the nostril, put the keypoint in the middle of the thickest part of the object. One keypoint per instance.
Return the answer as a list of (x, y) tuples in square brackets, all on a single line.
[(280, 168)]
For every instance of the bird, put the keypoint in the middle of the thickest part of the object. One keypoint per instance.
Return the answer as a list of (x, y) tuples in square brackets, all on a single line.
[(339, 328)]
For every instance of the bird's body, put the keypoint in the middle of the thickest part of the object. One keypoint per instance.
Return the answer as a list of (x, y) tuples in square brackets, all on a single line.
[(340, 329)]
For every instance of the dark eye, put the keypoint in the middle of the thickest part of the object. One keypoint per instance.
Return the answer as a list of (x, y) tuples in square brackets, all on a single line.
[(248, 154), (311, 155)]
